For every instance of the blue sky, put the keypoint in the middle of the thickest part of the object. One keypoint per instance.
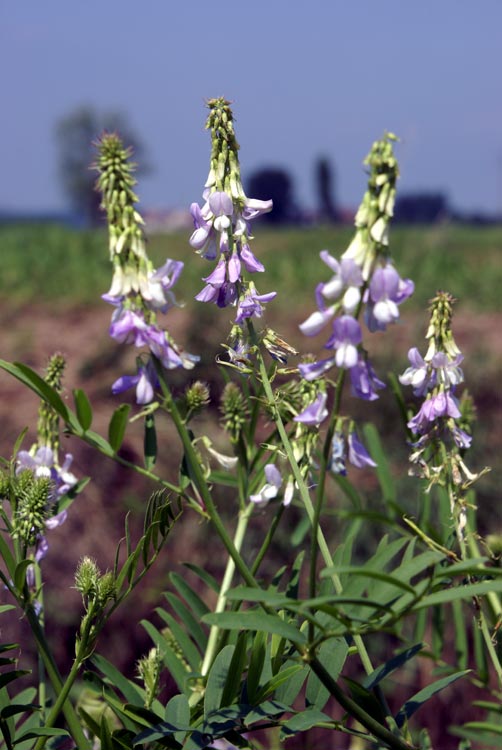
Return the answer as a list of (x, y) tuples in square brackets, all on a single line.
[(307, 79)]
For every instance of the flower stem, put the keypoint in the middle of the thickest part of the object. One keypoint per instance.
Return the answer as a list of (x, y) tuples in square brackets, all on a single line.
[(240, 532)]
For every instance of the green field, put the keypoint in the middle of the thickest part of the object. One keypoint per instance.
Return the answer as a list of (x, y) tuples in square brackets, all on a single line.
[(53, 264)]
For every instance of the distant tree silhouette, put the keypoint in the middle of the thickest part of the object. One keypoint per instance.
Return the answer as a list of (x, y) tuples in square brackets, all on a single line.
[(75, 134), (275, 183), (325, 183), (421, 208)]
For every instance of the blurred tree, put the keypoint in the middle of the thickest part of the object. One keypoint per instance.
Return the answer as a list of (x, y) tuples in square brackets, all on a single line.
[(76, 133), (325, 180), (275, 183)]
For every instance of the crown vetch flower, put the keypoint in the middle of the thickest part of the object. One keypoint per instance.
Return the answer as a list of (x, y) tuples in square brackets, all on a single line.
[(363, 277), (358, 454), (386, 291), (271, 488), (314, 413), (345, 339), (222, 228), (363, 379), (138, 290)]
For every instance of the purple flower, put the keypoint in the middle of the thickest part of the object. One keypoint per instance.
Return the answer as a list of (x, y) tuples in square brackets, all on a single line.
[(337, 455), (44, 464), (253, 207), (222, 207), (364, 381), (250, 306), (129, 327), (312, 370), (386, 291), (419, 375), (448, 371), (348, 276), (345, 339), (271, 488), (314, 413), (203, 238), (145, 380), (160, 283), (251, 263), (443, 404), (358, 455), (316, 321)]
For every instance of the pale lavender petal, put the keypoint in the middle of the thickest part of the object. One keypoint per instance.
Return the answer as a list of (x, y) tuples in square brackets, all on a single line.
[(314, 413), (251, 263)]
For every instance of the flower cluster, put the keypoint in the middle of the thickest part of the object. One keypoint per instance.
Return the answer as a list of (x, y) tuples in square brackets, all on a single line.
[(436, 377), (365, 277), (138, 290), (222, 227), (41, 483)]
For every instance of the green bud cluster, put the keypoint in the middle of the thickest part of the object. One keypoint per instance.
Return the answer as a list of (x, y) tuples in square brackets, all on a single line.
[(197, 396), (439, 333), (234, 410), (31, 506), (377, 207), (224, 171), (149, 673), (96, 589), (125, 223), (86, 577), (48, 420)]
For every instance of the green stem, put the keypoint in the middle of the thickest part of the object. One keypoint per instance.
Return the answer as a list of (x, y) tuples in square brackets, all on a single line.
[(58, 685), (353, 708), (240, 532), (320, 492), (201, 485), (42, 686), (304, 494)]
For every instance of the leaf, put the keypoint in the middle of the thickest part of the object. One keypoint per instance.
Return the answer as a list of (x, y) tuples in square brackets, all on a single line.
[(416, 701), (302, 721), (386, 669), (190, 651), (255, 668), (117, 426), (458, 592), (150, 442), (83, 408), (190, 622), (171, 659), (20, 573), (178, 714), (197, 606), (283, 676), (117, 679), (204, 576), (332, 655), (235, 670), (216, 680), (254, 620), (289, 691), (41, 732), (265, 711), (383, 472), (38, 385)]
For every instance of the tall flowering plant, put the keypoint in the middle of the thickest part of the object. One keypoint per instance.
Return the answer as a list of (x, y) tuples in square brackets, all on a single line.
[(273, 647)]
